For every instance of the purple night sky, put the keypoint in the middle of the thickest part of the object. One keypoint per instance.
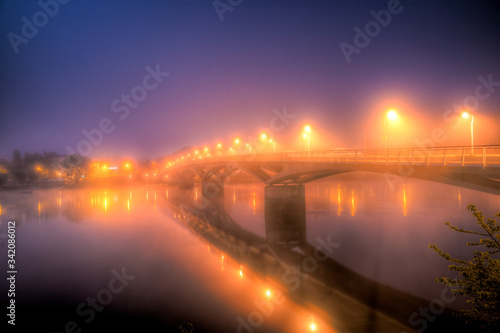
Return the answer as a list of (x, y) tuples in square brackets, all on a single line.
[(225, 77)]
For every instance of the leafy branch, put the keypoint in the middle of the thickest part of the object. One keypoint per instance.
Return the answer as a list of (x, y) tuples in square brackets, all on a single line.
[(479, 278)]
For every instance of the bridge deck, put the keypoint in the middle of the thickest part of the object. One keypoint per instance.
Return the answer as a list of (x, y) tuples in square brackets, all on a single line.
[(477, 156)]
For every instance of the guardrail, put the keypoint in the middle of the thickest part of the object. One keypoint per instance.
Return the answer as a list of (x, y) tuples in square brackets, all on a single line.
[(477, 156)]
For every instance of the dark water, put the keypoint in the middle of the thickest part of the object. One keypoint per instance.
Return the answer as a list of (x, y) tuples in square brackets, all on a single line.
[(72, 243)]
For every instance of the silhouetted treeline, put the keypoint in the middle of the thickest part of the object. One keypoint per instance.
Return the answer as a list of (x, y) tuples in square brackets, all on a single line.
[(30, 167)]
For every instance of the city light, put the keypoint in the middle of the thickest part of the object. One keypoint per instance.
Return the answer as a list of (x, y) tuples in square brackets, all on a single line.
[(392, 115), (466, 115), (263, 136), (307, 135)]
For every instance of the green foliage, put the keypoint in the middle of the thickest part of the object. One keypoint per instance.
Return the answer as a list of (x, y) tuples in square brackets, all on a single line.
[(479, 278)]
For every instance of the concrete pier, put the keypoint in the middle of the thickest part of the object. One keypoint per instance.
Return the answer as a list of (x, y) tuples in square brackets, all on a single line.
[(285, 214)]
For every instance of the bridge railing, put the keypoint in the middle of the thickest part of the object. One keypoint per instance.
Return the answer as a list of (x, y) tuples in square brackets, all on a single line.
[(477, 156), (484, 156)]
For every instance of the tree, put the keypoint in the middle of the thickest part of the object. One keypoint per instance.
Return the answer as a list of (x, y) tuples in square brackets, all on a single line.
[(76, 166), (17, 167), (479, 278)]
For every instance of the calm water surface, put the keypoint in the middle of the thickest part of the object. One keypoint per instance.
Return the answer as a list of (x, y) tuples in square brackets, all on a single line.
[(69, 241)]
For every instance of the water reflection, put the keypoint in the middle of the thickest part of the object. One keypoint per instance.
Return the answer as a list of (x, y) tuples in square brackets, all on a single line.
[(284, 252), (364, 217)]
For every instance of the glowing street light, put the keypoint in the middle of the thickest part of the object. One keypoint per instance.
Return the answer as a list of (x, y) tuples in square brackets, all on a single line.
[(307, 134), (274, 144), (466, 115), (263, 136), (391, 115)]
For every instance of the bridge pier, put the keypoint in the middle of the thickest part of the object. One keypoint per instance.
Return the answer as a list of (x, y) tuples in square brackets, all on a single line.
[(213, 193), (285, 214)]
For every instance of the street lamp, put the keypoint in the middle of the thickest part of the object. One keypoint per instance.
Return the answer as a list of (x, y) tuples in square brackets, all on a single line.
[(307, 134), (236, 142), (391, 115), (466, 115), (274, 144)]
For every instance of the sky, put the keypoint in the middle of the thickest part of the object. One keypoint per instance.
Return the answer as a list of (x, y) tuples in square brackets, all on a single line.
[(147, 78)]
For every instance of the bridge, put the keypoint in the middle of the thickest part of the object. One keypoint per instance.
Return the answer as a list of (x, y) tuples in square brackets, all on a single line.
[(475, 167)]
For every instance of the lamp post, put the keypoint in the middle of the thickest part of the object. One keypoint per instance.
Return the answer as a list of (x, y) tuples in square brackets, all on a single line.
[(236, 144), (466, 115), (274, 144), (307, 134), (391, 115)]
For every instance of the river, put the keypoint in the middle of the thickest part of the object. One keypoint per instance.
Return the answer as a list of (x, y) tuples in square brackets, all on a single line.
[(124, 248)]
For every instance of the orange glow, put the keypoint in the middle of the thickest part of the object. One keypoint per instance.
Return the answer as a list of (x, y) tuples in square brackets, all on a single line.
[(307, 129), (339, 211), (313, 327), (405, 209), (392, 115), (254, 203), (237, 141), (465, 114), (263, 136), (353, 206), (268, 293)]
